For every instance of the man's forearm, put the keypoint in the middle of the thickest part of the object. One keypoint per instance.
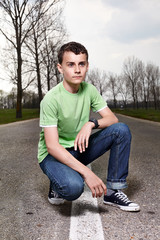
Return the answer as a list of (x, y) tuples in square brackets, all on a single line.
[(107, 121), (107, 118), (62, 155)]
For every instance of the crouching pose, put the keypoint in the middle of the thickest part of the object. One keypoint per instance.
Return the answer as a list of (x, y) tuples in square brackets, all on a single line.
[(67, 144)]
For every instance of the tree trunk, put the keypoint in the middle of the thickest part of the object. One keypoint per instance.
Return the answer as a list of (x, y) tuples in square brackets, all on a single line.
[(38, 74), (19, 85), (48, 78)]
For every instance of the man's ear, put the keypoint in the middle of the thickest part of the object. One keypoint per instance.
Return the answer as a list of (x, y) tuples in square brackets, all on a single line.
[(60, 68)]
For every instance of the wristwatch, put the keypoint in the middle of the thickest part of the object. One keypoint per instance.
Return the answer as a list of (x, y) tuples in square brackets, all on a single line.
[(95, 122)]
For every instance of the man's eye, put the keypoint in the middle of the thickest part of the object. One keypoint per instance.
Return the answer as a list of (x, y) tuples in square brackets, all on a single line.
[(70, 64), (82, 64)]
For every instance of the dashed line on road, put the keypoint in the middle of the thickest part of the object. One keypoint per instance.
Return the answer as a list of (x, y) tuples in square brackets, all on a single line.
[(85, 221)]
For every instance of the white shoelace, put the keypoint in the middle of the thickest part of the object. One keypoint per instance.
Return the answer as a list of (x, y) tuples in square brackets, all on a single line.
[(55, 194), (122, 196)]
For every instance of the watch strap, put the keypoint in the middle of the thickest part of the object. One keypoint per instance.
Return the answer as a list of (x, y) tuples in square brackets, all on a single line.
[(95, 122)]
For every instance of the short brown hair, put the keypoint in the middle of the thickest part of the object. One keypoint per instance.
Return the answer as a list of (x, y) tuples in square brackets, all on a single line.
[(74, 47)]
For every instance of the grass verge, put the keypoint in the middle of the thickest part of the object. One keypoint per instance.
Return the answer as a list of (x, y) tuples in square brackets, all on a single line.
[(9, 115), (150, 114)]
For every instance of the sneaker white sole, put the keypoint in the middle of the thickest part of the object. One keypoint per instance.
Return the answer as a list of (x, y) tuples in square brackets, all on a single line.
[(127, 208), (56, 201)]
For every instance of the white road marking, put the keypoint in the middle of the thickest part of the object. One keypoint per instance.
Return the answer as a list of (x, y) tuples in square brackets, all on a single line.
[(85, 220)]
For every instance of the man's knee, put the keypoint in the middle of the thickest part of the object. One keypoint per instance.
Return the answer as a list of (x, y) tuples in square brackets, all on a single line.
[(122, 130), (73, 190), (126, 131)]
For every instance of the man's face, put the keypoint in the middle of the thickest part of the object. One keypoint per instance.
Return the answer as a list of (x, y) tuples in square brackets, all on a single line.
[(73, 68)]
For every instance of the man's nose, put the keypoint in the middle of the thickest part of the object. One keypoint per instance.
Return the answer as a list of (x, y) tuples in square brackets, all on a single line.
[(77, 69)]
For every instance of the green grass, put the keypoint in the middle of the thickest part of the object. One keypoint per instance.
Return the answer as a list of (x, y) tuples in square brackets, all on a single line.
[(150, 114), (9, 115)]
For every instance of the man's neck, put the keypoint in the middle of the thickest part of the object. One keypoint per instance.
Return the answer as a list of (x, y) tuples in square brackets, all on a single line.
[(72, 88)]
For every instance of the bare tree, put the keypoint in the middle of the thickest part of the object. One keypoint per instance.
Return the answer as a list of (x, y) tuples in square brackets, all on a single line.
[(49, 54), (17, 18), (124, 89), (49, 61), (11, 98), (30, 99), (42, 41), (114, 87), (11, 68), (98, 79), (2, 98), (153, 81), (17, 13), (131, 70), (49, 64), (143, 88)]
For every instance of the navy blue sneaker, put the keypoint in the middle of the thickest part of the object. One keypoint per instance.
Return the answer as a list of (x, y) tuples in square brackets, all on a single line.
[(54, 198), (120, 200)]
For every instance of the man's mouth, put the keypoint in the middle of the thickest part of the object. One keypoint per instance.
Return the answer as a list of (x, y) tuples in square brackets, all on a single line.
[(77, 76)]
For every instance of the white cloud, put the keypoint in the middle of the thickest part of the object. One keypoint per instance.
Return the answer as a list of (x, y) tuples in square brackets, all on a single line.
[(85, 19), (122, 4), (112, 30), (140, 23)]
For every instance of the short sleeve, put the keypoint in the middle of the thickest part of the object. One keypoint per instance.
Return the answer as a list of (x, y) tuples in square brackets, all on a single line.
[(97, 101), (48, 113)]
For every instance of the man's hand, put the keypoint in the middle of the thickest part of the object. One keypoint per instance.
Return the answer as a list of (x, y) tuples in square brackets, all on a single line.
[(96, 185), (83, 137)]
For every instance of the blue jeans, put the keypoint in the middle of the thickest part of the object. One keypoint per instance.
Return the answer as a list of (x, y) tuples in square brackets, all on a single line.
[(69, 184)]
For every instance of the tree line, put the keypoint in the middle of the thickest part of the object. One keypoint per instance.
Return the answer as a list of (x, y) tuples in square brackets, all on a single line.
[(138, 85)]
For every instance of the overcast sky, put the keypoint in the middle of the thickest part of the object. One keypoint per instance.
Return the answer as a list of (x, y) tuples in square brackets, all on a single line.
[(113, 30)]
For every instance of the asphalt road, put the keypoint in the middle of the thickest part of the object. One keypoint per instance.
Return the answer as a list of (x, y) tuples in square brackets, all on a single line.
[(25, 213)]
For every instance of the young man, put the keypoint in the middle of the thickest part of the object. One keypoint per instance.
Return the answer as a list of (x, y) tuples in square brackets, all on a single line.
[(67, 144)]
